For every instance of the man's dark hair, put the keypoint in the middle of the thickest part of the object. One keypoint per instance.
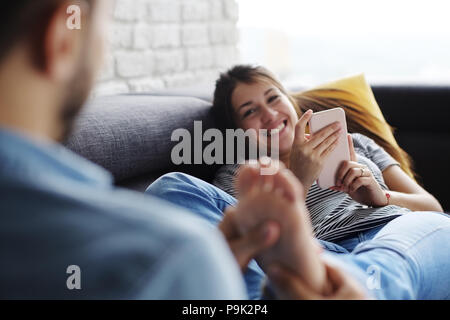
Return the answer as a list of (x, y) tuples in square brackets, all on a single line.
[(26, 21)]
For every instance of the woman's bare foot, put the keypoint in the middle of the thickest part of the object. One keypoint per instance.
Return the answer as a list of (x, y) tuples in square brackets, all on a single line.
[(280, 198)]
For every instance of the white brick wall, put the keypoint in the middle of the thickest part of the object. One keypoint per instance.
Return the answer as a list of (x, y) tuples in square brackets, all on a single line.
[(157, 44)]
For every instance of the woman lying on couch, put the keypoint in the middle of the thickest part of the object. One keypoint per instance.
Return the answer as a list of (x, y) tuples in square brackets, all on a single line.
[(375, 201)]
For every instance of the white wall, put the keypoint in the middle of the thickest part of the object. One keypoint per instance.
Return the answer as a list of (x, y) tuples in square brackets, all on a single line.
[(157, 44)]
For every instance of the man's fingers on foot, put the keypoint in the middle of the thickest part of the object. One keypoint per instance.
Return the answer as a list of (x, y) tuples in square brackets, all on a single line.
[(256, 241), (345, 287), (288, 285), (269, 233)]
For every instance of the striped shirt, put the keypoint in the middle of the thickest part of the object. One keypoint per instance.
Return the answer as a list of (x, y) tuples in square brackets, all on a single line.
[(334, 214)]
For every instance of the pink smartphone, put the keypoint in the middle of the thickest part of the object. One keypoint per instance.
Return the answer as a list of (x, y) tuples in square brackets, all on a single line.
[(319, 120)]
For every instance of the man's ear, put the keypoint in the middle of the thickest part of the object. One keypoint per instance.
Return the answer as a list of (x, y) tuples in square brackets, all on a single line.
[(63, 45)]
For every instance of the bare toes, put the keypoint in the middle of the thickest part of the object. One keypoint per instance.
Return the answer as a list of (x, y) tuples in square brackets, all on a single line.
[(247, 177)]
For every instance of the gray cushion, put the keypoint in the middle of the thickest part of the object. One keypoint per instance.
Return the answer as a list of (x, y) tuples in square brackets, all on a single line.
[(130, 135)]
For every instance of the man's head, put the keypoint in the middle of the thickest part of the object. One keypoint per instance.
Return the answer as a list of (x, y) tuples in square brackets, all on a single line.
[(47, 66)]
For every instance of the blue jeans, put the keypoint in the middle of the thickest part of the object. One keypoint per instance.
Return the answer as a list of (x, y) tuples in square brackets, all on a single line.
[(350, 243), (408, 258)]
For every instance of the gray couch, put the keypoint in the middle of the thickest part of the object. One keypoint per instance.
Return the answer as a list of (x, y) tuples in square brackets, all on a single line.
[(130, 135)]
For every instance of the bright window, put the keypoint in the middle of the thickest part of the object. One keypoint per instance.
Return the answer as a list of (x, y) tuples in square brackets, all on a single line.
[(308, 42)]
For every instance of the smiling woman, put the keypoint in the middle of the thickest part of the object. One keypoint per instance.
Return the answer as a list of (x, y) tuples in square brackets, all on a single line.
[(262, 105), (309, 42)]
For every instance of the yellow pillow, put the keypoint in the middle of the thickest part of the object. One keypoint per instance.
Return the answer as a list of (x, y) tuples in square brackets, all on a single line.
[(356, 91)]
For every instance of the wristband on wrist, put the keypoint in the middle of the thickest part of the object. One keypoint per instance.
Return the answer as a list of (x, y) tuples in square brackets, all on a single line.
[(388, 196)]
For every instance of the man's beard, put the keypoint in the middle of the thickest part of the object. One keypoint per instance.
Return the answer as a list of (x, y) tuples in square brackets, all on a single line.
[(77, 93)]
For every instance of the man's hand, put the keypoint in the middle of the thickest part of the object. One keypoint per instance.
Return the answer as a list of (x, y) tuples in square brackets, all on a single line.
[(289, 286), (246, 246)]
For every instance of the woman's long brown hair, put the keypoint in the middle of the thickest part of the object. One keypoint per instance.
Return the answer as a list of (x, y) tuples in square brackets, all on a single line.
[(357, 120)]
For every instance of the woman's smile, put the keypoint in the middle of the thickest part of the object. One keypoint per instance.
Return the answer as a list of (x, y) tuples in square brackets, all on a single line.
[(280, 129)]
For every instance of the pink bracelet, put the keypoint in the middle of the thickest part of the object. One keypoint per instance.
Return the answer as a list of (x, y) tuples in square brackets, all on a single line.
[(388, 196)]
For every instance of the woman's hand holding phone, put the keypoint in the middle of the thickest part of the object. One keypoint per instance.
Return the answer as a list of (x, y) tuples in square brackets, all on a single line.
[(358, 181), (309, 152)]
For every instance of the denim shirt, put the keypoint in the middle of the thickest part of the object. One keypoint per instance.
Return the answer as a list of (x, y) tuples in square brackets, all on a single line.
[(67, 233)]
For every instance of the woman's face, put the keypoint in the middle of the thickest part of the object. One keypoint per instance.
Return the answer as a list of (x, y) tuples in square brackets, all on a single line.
[(261, 105)]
